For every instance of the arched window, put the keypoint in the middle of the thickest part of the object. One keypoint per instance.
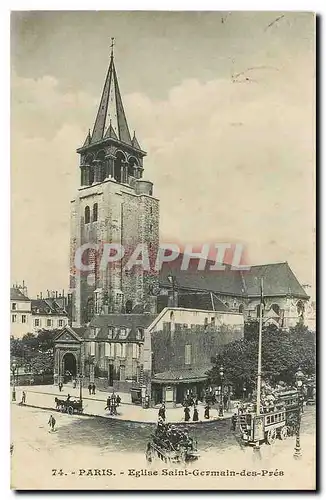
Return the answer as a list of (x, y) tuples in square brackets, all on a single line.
[(241, 308), (213, 321), (95, 212), (128, 306), (276, 308), (87, 215)]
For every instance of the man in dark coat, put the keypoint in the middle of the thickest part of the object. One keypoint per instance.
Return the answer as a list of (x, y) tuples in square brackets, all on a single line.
[(52, 422), (90, 388), (206, 412), (108, 403), (161, 412), (234, 421), (195, 417), (93, 388), (187, 414)]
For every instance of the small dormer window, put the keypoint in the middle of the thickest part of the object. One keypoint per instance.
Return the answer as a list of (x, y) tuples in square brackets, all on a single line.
[(110, 332)]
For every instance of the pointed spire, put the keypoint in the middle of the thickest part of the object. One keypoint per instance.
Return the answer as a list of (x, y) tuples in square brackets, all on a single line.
[(110, 132), (134, 142), (111, 107), (88, 139)]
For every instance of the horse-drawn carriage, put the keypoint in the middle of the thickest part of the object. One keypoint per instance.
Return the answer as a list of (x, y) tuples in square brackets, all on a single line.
[(171, 446), (70, 406)]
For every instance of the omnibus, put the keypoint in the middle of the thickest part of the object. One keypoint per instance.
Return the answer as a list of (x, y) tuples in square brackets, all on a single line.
[(277, 420)]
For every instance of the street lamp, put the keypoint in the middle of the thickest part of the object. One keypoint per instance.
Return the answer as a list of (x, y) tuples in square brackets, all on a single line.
[(13, 369), (298, 380), (220, 413), (80, 387), (244, 392)]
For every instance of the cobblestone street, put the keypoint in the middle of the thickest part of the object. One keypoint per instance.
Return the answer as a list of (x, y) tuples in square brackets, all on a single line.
[(82, 443)]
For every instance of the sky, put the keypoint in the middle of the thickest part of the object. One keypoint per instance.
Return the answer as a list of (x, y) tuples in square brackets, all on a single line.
[(224, 107)]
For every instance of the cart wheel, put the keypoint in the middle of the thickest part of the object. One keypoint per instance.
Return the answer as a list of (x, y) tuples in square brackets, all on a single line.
[(70, 410), (271, 436), (284, 433)]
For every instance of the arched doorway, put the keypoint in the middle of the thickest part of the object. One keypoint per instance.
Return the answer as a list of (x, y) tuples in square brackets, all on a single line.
[(69, 363)]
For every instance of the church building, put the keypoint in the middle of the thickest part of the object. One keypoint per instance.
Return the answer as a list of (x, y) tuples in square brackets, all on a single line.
[(155, 329)]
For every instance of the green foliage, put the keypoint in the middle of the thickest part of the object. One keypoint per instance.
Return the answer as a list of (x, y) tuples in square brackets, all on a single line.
[(34, 351), (282, 354)]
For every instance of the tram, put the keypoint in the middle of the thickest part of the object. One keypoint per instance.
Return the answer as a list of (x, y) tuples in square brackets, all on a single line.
[(278, 420)]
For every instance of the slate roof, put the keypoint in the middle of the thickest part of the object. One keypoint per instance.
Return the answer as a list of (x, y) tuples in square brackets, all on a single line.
[(47, 306), (279, 280), (201, 300), (228, 281), (128, 321), (181, 375), (16, 294)]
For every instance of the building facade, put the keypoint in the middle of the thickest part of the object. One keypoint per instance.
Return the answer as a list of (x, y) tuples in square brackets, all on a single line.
[(20, 311), (31, 315), (165, 354)]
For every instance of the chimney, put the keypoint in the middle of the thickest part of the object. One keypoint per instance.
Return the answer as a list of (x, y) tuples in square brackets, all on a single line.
[(37, 296), (56, 294), (48, 292), (63, 293), (41, 295)]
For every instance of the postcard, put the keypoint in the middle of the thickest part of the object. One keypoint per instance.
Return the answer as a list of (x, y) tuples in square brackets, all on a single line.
[(162, 300)]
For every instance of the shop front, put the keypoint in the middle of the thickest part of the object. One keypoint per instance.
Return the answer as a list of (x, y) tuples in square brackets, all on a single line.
[(173, 387)]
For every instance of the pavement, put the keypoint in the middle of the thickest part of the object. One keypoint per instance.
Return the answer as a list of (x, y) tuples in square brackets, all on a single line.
[(94, 405)]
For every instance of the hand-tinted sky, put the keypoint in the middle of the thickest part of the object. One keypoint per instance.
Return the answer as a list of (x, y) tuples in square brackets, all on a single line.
[(231, 161)]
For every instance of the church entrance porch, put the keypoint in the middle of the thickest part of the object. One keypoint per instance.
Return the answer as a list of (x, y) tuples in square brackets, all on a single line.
[(69, 367)]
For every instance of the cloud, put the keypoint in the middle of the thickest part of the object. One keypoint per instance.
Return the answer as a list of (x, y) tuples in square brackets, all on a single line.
[(252, 182)]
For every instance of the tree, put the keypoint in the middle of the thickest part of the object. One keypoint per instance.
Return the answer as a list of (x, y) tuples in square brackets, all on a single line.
[(282, 354)]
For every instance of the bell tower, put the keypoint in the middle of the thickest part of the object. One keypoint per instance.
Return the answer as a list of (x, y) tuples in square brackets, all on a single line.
[(114, 205)]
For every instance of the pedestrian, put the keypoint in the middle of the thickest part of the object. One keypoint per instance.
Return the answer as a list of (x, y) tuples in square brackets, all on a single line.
[(195, 417), (187, 413), (93, 388), (68, 397), (52, 423), (118, 400), (74, 383), (90, 388), (23, 397), (234, 421), (108, 403), (60, 386), (225, 401), (161, 412), (206, 412)]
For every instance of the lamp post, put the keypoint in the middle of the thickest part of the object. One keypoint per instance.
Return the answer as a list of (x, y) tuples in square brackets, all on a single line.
[(244, 392), (13, 369), (80, 387), (220, 413), (298, 380)]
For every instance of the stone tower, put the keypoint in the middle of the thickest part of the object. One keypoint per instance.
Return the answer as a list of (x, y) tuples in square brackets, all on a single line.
[(114, 205)]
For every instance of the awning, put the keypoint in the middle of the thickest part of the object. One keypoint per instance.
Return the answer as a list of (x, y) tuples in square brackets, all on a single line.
[(181, 376)]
